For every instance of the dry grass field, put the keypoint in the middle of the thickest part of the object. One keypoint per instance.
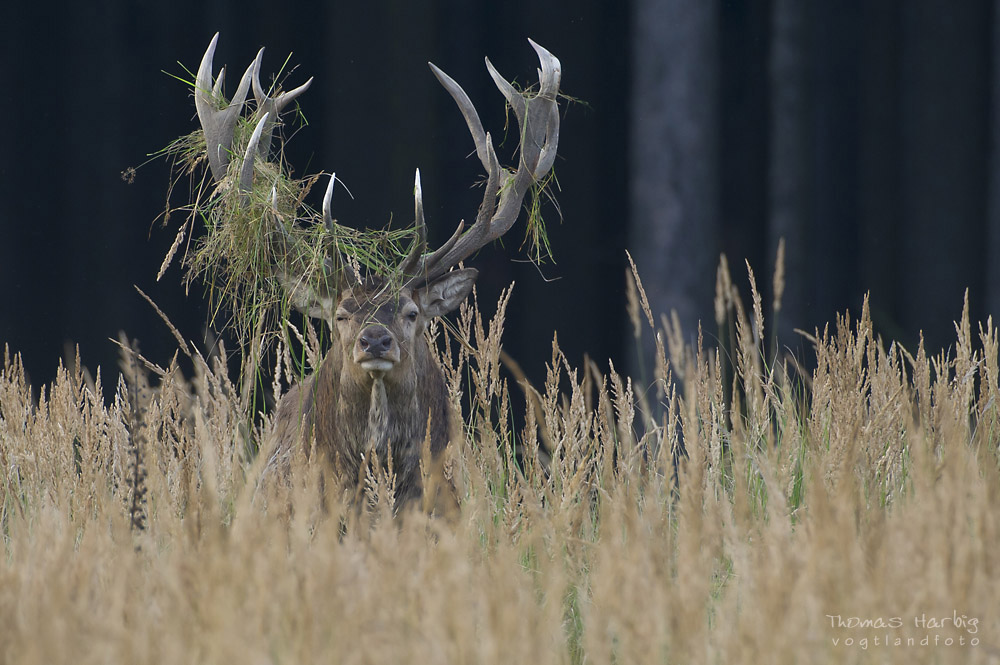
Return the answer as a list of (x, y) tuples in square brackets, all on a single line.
[(849, 514)]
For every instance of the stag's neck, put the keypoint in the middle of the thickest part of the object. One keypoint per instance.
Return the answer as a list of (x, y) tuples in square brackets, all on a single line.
[(392, 420), (357, 412), (378, 418)]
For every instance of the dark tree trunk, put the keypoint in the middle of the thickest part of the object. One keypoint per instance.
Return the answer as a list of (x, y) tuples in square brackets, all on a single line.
[(992, 290), (879, 168), (944, 102), (790, 182), (674, 163)]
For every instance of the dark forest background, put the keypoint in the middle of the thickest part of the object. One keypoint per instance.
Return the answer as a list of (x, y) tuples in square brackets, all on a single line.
[(864, 133)]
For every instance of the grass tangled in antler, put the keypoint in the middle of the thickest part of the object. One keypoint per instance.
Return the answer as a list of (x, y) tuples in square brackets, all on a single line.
[(245, 238)]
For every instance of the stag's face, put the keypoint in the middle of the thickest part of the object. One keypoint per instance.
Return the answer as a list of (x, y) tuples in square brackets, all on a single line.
[(380, 326), (377, 329)]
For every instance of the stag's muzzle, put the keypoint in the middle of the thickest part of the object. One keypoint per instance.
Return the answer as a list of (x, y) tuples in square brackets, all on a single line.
[(376, 349)]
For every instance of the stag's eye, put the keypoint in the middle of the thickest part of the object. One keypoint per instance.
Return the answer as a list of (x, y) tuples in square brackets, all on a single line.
[(412, 315)]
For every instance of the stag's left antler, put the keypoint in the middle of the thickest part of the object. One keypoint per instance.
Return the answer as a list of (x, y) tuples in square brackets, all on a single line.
[(538, 121)]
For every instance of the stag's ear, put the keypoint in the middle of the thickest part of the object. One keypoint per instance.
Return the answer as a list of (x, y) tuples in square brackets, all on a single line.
[(446, 292), (317, 303)]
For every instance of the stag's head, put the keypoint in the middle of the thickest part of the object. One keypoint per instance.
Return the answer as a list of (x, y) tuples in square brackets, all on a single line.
[(378, 319), (379, 325)]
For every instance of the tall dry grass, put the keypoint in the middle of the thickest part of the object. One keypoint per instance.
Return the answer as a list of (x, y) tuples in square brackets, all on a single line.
[(729, 513)]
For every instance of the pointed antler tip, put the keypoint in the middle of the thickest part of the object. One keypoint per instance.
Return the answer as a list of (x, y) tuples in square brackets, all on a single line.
[(246, 171), (538, 47), (439, 73), (328, 194), (204, 77), (327, 202)]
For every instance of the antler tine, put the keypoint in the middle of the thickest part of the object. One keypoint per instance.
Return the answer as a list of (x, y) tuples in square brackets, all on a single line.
[(549, 76), (415, 265), (420, 242), (468, 110), (409, 269), (346, 268), (246, 170), (271, 105), (312, 299), (550, 72), (218, 124), (538, 122), (219, 82), (274, 203), (328, 203)]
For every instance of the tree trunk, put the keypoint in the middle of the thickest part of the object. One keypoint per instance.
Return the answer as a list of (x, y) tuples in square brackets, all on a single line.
[(674, 161), (944, 123), (790, 179), (992, 295)]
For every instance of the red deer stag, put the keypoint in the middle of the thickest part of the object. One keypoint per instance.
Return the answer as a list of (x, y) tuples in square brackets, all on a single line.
[(378, 393)]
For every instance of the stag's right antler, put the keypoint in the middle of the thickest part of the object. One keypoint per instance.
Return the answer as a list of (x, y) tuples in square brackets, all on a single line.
[(219, 124)]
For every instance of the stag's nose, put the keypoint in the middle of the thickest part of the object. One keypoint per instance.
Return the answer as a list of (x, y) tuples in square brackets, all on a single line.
[(375, 341)]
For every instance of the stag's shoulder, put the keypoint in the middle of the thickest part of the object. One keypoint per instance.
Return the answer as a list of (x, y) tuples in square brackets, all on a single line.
[(291, 418)]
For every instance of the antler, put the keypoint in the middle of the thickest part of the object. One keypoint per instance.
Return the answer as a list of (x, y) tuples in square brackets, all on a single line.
[(271, 106), (219, 124), (538, 122)]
